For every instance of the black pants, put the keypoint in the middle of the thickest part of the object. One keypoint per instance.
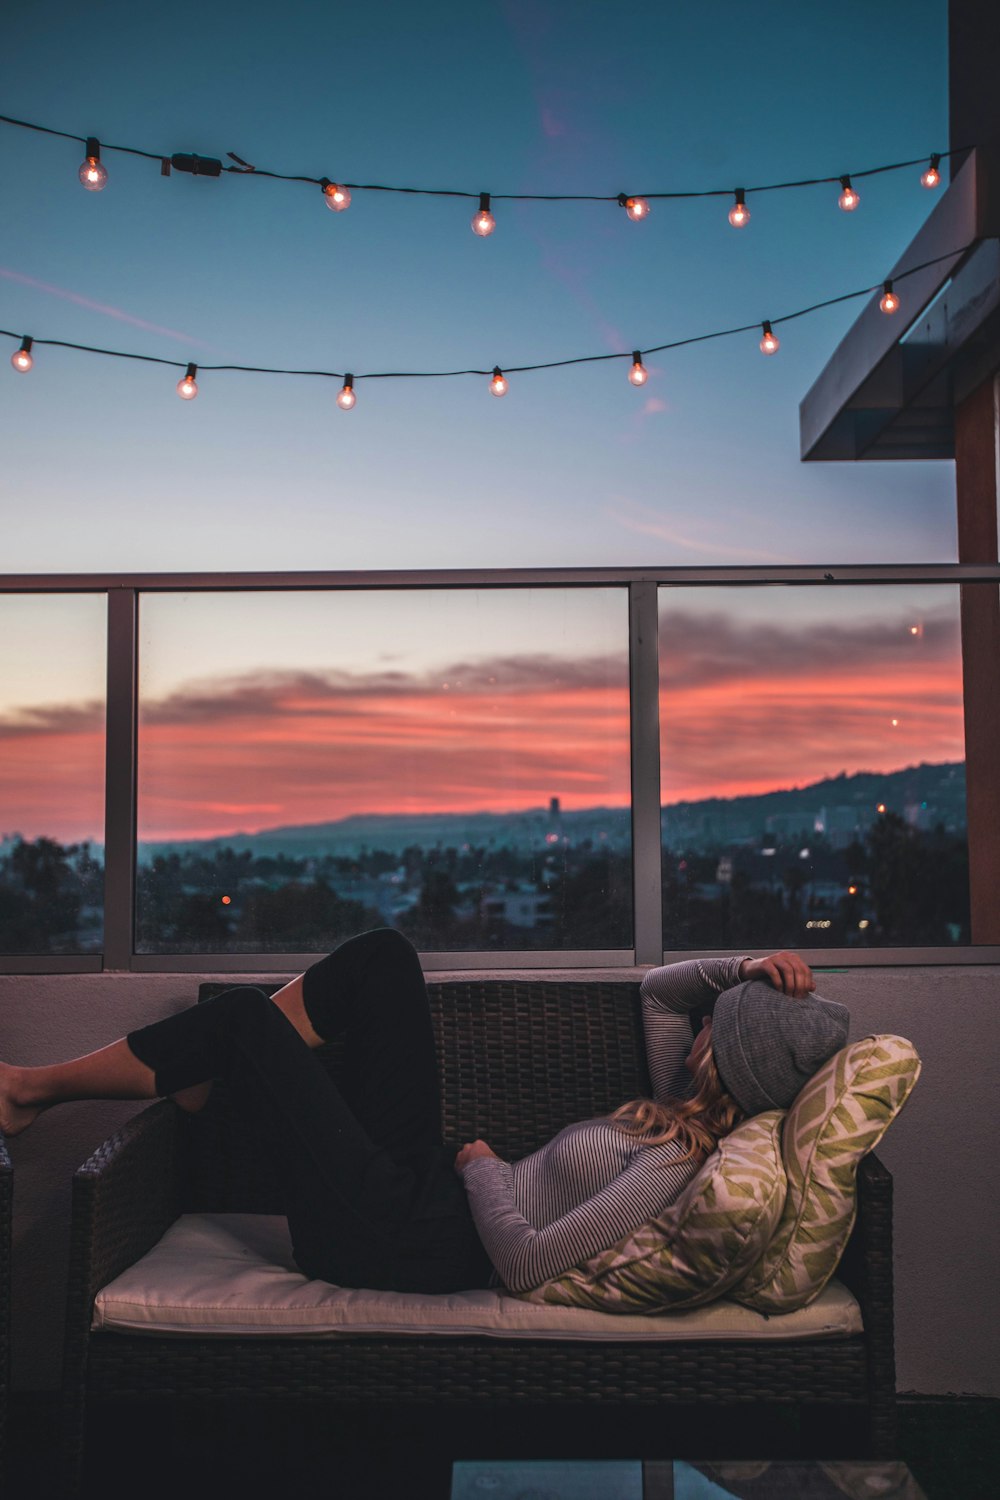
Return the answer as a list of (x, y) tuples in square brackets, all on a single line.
[(374, 1200)]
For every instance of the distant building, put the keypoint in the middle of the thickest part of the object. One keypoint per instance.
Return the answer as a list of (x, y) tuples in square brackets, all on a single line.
[(523, 908)]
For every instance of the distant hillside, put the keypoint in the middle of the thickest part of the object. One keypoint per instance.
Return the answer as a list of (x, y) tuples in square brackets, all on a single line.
[(841, 806)]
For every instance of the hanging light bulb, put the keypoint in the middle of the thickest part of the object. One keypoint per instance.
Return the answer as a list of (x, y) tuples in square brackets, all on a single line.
[(483, 222), (347, 396), (889, 302), (849, 197), (21, 358), (498, 383), (932, 177), (638, 373), (187, 387), (337, 196), (93, 174), (769, 344), (636, 208), (739, 214)]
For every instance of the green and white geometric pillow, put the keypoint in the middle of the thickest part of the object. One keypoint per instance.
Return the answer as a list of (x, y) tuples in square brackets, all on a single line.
[(699, 1247), (841, 1114)]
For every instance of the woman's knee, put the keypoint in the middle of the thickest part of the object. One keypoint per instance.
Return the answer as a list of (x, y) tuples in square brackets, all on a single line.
[(380, 941), (245, 1005)]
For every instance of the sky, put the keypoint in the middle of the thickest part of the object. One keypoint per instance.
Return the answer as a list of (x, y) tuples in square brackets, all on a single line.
[(106, 470), (260, 713), (761, 688)]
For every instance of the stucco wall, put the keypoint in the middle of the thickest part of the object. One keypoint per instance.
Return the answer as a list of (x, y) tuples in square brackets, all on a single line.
[(940, 1151)]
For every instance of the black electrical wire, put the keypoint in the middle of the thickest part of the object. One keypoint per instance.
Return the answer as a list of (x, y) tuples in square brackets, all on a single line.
[(553, 364), (245, 170)]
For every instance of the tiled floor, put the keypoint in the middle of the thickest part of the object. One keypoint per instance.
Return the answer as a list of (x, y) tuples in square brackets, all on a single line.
[(952, 1446)]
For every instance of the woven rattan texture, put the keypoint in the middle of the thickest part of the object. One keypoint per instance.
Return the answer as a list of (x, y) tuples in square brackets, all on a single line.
[(6, 1220), (518, 1060), (391, 1371)]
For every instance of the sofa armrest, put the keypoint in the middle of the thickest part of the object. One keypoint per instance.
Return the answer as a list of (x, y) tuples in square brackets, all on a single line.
[(125, 1197), (6, 1220), (866, 1267)]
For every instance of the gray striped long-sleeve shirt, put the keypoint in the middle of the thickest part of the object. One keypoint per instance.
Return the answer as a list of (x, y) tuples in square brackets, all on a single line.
[(594, 1183)]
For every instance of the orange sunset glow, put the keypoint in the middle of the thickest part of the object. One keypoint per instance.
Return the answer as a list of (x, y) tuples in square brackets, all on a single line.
[(744, 709)]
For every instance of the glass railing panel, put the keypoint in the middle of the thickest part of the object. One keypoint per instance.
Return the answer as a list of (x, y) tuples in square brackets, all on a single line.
[(812, 767), (53, 672), (454, 763)]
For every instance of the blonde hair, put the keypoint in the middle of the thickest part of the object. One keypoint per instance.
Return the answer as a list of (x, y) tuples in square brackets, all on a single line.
[(697, 1124)]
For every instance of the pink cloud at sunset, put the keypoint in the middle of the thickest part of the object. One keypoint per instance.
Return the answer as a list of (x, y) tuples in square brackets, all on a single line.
[(745, 708)]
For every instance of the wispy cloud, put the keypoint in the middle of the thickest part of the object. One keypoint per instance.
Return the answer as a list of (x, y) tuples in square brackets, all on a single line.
[(52, 719), (646, 522), (104, 308), (748, 705)]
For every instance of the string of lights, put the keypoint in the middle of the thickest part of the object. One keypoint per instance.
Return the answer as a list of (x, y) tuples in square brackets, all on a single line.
[(187, 387), (93, 174)]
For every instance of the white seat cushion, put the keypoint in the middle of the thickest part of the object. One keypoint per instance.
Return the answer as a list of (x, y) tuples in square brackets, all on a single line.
[(233, 1274)]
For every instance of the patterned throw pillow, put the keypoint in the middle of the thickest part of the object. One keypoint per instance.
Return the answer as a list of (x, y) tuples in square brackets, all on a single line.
[(696, 1249), (840, 1115)]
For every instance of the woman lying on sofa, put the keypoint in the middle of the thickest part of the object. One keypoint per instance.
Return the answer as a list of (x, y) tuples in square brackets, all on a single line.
[(375, 1197)]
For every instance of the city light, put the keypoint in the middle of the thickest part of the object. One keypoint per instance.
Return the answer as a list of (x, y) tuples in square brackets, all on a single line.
[(498, 382), (739, 214), (347, 398)]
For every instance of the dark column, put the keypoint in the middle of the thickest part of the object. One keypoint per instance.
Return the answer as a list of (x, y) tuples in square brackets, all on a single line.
[(976, 458), (973, 97)]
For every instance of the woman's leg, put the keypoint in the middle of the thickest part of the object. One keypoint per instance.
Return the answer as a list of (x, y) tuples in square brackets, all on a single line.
[(114, 1072), (343, 1188), (370, 993), (353, 1194)]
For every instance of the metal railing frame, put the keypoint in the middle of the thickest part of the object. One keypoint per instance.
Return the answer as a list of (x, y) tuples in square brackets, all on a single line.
[(642, 584)]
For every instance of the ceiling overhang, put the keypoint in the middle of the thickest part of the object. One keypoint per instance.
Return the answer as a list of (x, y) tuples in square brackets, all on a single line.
[(891, 387)]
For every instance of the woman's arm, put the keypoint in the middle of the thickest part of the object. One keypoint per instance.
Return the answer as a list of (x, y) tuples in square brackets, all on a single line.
[(669, 994), (525, 1256)]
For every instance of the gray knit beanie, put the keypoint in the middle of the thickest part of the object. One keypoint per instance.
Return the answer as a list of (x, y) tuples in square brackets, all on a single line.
[(767, 1046)]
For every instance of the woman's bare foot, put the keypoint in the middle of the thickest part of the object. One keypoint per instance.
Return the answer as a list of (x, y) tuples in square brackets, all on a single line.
[(15, 1114)]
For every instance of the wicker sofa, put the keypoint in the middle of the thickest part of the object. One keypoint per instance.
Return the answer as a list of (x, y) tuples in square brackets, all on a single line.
[(6, 1236), (519, 1060)]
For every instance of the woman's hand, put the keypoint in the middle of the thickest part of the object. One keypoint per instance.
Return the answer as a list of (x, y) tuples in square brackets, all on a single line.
[(787, 972), (471, 1151)]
